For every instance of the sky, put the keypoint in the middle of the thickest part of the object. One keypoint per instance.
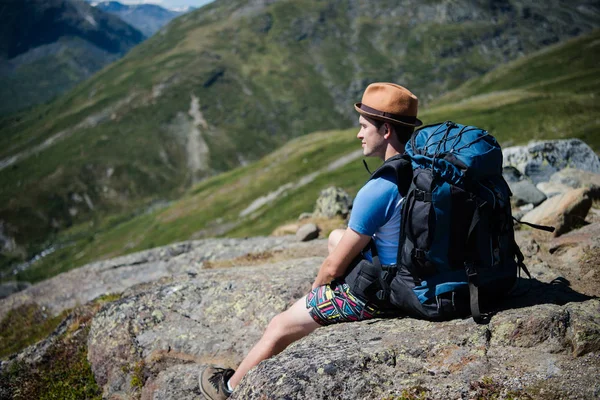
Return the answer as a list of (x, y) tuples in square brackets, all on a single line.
[(170, 4)]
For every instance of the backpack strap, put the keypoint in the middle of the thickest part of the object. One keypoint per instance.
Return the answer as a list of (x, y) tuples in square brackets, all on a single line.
[(535, 226), (401, 165), (520, 257), (385, 275), (471, 267)]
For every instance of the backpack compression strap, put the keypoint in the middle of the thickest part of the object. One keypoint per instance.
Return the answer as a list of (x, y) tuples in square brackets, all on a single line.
[(535, 226), (471, 268)]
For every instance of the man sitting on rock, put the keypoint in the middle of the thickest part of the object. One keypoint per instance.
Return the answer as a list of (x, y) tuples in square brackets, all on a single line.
[(388, 116)]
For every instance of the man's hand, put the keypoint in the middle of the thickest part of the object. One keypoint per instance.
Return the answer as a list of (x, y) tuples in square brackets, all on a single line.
[(339, 259)]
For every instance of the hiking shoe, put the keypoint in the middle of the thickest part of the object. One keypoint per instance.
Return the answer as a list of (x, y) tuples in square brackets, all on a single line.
[(213, 382)]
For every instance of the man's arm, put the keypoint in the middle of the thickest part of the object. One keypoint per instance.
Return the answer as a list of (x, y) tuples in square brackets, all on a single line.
[(337, 262)]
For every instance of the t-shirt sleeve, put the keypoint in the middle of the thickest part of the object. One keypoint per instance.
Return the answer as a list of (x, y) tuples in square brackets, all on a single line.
[(373, 206)]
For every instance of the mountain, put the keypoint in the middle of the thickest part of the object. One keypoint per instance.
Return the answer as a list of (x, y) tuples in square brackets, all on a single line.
[(228, 83), (551, 94), (46, 47), (147, 18)]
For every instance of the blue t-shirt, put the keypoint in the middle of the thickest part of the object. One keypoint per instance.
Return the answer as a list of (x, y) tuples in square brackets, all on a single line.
[(376, 212)]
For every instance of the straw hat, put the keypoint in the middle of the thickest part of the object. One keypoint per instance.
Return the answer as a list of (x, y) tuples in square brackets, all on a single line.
[(391, 103)]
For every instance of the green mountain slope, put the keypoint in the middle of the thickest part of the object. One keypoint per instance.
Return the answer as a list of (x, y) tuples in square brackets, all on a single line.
[(230, 82), (552, 94), (255, 199)]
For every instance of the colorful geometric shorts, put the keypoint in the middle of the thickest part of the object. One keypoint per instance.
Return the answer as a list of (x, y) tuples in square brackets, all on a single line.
[(334, 303)]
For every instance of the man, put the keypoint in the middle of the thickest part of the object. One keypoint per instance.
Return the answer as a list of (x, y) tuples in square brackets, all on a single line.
[(388, 116)]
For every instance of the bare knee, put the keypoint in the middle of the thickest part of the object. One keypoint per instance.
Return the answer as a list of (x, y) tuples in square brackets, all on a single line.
[(334, 238), (276, 328), (283, 328)]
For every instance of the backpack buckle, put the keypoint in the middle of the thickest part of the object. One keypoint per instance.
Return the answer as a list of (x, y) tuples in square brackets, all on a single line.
[(421, 195), (419, 254), (471, 270)]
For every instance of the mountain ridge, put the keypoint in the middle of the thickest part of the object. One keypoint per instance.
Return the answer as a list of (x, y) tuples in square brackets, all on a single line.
[(147, 18), (46, 47)]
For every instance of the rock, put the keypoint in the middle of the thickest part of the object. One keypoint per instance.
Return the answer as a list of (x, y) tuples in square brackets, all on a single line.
[(179, 382), (551, 189), (304, 215), (565, 212), (519, 352), (86, 283), (525, 192), (576, 178), (155, 339), (8, 288), (307, 232), (586, 237), (216, 316), (511, 174), (576, 255), (333, 201), (539, 160), (287, 229)]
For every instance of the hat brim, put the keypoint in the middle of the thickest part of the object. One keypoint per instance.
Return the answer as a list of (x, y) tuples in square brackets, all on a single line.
[(417, 123)]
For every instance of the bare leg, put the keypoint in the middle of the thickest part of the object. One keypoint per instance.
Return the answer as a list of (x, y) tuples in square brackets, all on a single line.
[(334, 238), (284, 329)]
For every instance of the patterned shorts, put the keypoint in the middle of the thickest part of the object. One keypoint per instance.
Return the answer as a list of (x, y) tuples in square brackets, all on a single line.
[(334, 303)]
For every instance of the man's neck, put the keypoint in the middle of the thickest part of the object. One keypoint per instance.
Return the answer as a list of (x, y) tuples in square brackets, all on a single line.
[(392, 151)]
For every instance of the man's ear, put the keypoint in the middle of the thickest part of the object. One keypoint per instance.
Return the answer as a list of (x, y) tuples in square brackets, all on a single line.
[(387, 131)]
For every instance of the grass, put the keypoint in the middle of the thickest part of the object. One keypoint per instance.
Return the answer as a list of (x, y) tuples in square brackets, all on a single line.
[(24, 326), (62, 371)]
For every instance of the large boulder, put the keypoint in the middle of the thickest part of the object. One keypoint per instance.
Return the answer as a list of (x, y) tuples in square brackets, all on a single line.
[(551, 189), (520, 354), (539, 160), (153, 342), (332, 202), (523, 190), (216, 316), (576, 178), (565, 212)]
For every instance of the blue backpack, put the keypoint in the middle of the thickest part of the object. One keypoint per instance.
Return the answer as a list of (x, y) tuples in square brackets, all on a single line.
[(457, 249)]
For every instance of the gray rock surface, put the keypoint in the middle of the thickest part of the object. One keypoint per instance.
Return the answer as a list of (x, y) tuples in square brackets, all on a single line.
[(215, 317), (333, 201), (533, 349), (511, 174), (115, 275), (539, 160), (307, 232), (525, 192), (576, 178), (564, 212), (551, 189), (545, 338)]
